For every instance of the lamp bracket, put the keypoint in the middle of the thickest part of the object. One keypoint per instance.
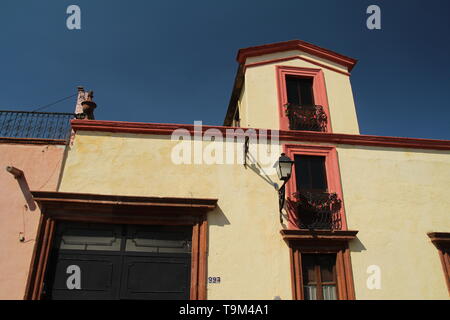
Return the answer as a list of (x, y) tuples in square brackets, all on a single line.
[(246, 146)]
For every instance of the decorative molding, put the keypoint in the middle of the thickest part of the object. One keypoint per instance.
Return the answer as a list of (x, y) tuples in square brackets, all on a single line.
[(439, 237), (261, 63), (32, 141), (319, 235), (304, 46), (441, 240), (55, 199), (283, 135)]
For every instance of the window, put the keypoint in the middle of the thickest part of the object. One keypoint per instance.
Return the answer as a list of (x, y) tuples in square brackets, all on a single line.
[(314, 191), (299, 91), (320, 264), (310, 172), (302, 99), (319, 276)]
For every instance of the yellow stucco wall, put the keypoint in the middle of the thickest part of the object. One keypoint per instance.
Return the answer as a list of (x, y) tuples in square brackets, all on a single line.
[(261, 96), (393, 197), (245, 248)]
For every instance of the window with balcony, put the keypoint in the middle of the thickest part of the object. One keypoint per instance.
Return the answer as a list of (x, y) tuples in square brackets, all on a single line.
[(317, 232), (303, 99), (315, 207)]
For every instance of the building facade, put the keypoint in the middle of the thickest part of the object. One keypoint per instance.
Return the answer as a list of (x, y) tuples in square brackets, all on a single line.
[(29, 161), (165, 211)]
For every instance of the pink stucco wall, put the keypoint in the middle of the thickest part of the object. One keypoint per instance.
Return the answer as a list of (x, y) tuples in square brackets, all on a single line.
[(41, 165)]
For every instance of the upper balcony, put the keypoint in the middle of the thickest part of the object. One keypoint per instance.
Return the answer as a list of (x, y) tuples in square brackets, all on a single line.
[(306, 117), (35, 125)]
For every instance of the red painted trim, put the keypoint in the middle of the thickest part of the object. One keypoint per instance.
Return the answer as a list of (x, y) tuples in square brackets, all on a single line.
[(292, 58), (283, 135), (332, 172), (245, 53), (319, 91), (32, 141)]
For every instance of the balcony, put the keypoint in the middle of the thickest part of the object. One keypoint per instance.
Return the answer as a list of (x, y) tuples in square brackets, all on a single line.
[(306, 117), (35, 125), (317, 210)]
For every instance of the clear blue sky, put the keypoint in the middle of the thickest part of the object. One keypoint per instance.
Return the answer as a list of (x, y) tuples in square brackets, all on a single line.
[(174, 61)]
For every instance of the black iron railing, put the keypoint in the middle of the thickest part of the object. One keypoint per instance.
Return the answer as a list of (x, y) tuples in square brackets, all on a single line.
[(308, 118), (317, 210), (36, 125)]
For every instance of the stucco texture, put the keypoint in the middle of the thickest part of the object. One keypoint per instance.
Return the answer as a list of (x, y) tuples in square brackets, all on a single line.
[(394, 197), (41, 165)]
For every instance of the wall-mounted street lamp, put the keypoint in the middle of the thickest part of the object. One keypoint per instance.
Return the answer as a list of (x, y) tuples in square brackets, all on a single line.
[(284, 171)]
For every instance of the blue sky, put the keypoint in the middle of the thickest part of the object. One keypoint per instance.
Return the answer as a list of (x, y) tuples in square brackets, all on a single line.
[(174, 61)]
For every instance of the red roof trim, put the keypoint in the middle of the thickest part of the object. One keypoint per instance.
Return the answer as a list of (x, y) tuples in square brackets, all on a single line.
[(255, 64), (32, 141), (284, 135), (296, 45)]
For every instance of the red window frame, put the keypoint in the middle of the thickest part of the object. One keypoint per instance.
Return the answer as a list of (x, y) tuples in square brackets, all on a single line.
[(344, 276), (332, 175), (319, 91)]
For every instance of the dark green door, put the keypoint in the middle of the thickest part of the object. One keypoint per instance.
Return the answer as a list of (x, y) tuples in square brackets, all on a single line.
[(101, 261)]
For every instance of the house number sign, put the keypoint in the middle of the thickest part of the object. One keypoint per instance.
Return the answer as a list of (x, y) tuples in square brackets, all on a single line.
[(213, 279)]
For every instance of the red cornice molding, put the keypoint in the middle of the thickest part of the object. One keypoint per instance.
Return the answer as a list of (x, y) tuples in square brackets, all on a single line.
[(317, 51), (284, 135), (255, 64), (58, 199), (31, 141), (338, 235), (439, 237)]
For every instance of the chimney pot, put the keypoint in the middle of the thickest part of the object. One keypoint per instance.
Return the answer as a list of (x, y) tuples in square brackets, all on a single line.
[(85, 104)]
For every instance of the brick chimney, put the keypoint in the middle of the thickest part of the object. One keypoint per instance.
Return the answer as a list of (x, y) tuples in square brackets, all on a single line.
[(85, 105)]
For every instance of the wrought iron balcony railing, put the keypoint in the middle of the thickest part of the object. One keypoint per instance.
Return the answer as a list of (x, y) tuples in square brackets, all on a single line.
[(308, 118), (35, 125), (317, 210)]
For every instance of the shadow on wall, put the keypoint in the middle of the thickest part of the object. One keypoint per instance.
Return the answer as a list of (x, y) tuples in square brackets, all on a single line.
[(252, 163), (217, 218), (24, 187), (26, 193), (357, 246)]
